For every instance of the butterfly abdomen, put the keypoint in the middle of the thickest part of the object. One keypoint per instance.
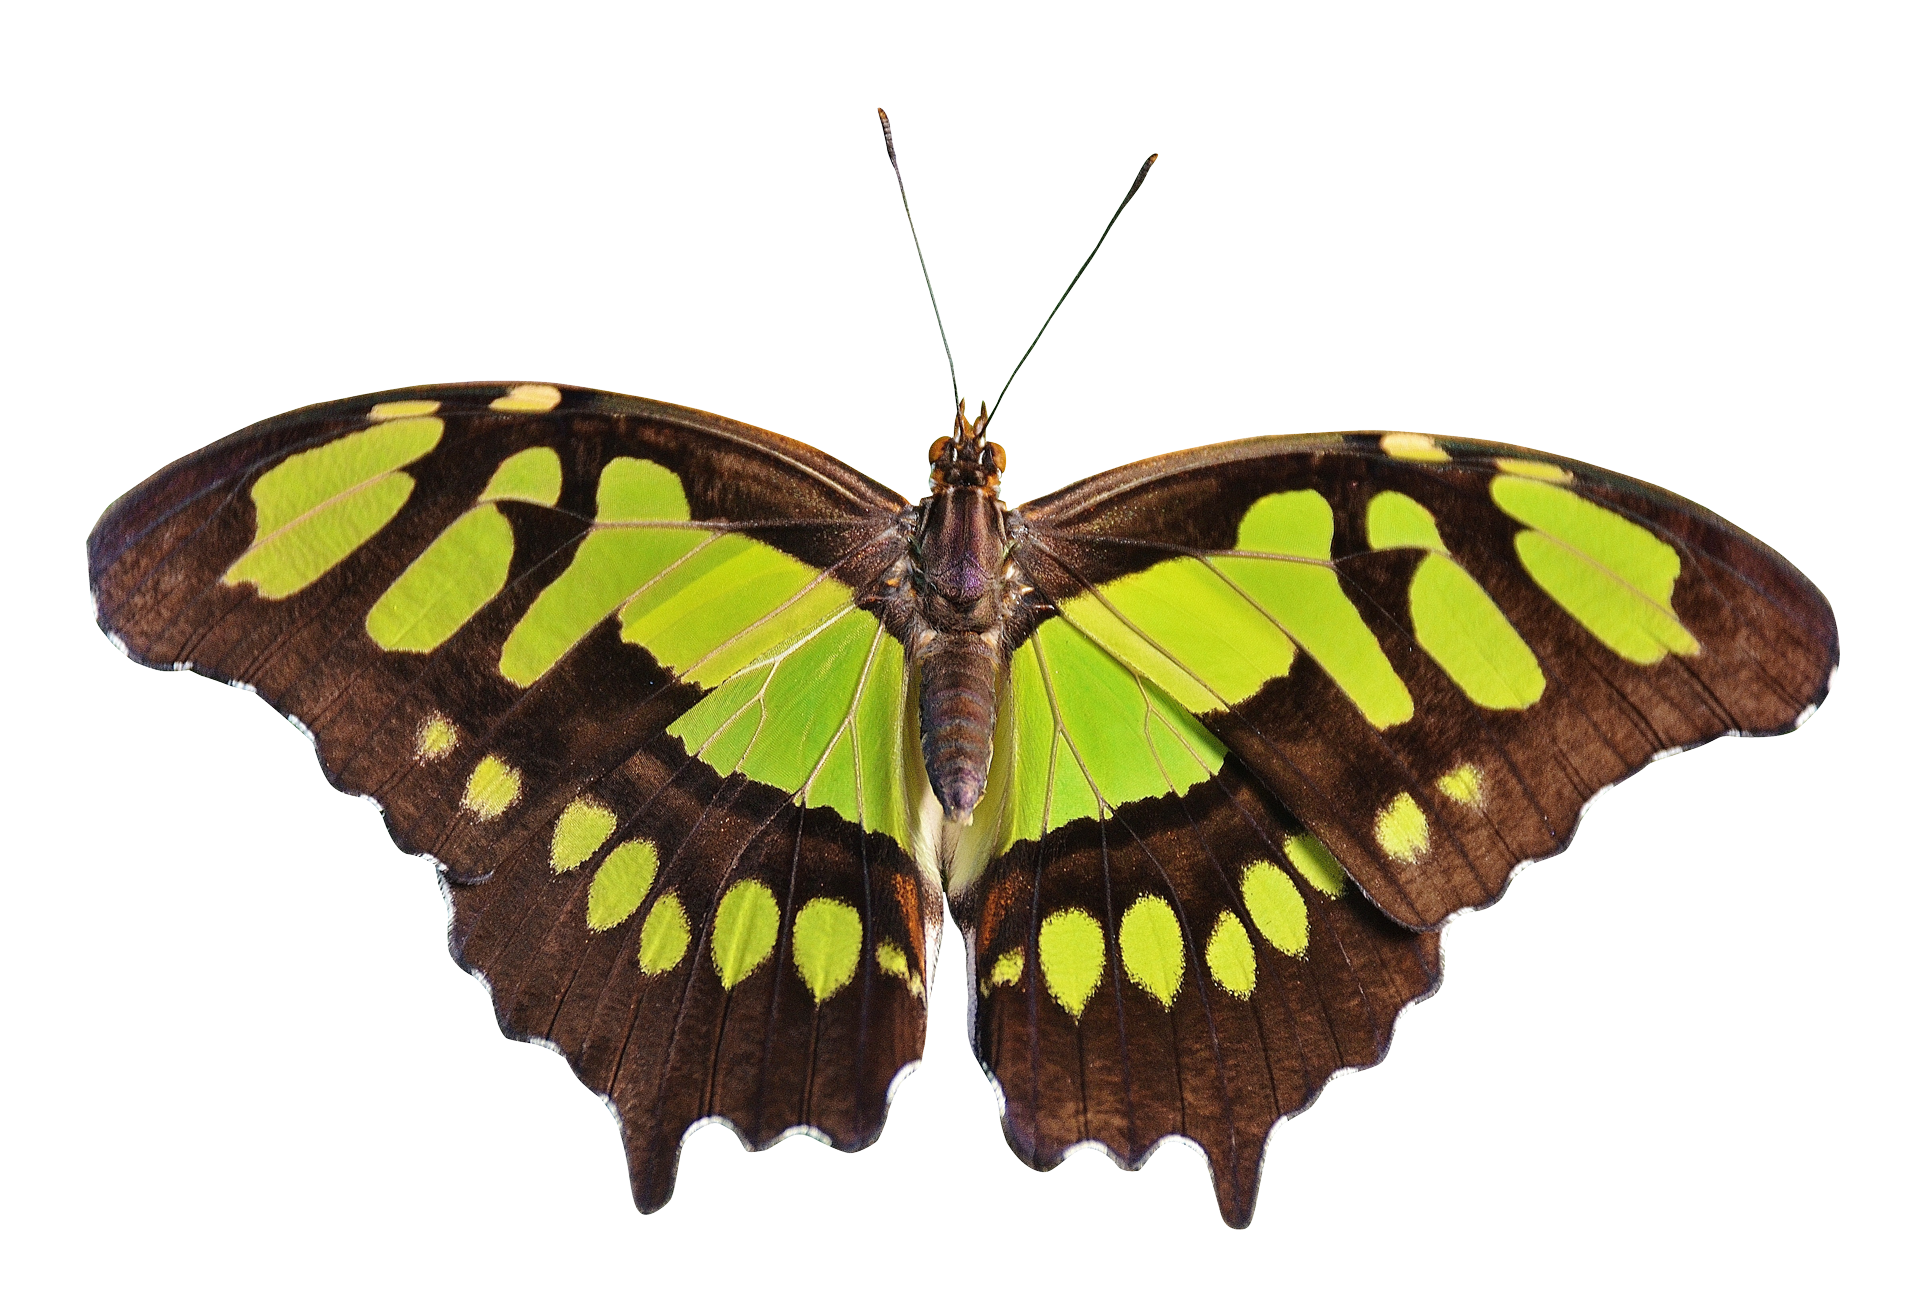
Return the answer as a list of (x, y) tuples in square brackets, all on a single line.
[(957, 710)]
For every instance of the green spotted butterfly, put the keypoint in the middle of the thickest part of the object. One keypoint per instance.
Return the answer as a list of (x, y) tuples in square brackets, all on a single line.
[(703, 727)]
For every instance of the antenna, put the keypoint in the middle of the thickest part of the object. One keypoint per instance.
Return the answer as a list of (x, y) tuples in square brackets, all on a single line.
[(890, 148), (1074, 280)]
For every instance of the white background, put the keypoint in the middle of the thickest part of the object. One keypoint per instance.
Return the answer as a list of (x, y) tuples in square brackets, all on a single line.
[(1683, 1061)]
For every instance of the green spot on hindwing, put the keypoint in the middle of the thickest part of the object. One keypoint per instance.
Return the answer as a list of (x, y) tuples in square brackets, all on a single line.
[(826, 941), (1316, 864), (436, 738), (822, 718), (892, 961), (745, 931), (1152, 948), (1006, 971), (1088, 734), (1463, 784), (1276, 907), (621, 883), (1071, 952), (493, 787), (583, 827), (665, 936), (1230, 958)]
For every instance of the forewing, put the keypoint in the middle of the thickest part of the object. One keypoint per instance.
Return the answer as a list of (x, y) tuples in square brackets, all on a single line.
[(509, 614), (1432, 652)]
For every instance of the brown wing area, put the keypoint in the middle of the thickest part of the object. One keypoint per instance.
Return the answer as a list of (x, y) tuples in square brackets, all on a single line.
[(537, 804), (1210, 1049), (1767, 645)]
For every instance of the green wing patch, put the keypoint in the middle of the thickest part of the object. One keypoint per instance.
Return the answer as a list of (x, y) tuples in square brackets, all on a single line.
[(1283, 563), (1453, 618), (1211, 631), (1611, 575), (1091, 733), (706, 603), (821, 717), (318, 506)]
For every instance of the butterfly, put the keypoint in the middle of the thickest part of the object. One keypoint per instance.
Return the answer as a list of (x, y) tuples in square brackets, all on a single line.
[(704, 730)]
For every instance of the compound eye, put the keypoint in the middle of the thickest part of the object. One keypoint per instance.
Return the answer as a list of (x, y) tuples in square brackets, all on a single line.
[(941, 449), (994, 456)]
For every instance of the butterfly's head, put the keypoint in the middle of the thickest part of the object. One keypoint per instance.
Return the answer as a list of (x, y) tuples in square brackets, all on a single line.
[(964, 459)]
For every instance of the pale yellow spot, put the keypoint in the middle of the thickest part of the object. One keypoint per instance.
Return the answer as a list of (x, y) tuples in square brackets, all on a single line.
[(1230, 957), (1536, 470), (529, 398), (1401, 830), (745, 931), (892, 961), (665, 936), (1152, 948), (621, 883), (827, 939), (494, 785), (1008, 970), (404, 408), (1274, 903), (583, 827), (1071, 954), (436, 739), (1316, 864), (1413, 448), (1463, 785)]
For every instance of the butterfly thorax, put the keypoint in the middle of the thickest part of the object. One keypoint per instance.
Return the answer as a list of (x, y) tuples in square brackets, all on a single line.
[(963, 613)]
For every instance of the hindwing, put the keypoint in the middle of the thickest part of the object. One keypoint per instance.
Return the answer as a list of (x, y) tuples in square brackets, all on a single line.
[(561, 638)]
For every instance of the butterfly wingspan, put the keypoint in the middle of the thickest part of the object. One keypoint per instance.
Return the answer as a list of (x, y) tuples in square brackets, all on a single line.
[(562, 638), (1432, 652)]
